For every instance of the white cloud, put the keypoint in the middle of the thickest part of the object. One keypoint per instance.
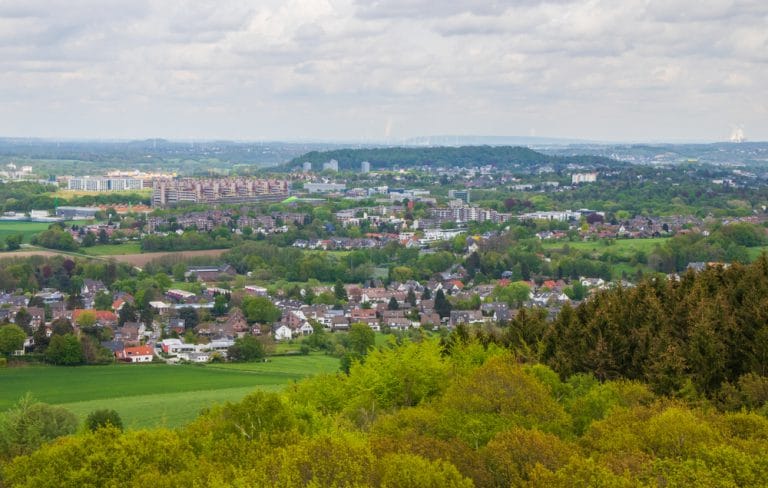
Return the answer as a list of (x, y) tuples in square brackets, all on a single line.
[(347, 69)]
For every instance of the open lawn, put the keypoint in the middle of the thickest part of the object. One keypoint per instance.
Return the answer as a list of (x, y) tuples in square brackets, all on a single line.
[(150, 395), (112, 249), (28, 229)]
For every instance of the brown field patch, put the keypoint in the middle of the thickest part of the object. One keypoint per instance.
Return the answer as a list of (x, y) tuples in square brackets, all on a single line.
[(26, 254), (143, 259), (132, 259)]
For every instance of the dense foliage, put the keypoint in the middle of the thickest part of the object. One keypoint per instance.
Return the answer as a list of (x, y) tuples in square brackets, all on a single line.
[(411, 415), (707, 331)]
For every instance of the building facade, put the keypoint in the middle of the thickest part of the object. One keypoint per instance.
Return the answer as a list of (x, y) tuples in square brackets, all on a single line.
[(169, 192)]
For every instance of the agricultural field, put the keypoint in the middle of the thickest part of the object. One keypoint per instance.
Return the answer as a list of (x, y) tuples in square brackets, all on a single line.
[(155, 395), (143, 259), (28, 229), (112, 249)]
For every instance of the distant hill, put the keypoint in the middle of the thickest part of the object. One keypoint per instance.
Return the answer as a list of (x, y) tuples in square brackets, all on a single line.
[(464, 156)]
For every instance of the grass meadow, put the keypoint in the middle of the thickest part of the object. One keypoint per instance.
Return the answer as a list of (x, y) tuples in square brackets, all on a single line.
[(150, 395), (620, 247), (112, 249), (27, 229)]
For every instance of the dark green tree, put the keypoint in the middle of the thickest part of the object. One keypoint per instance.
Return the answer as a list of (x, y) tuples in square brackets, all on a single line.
[(11, 339), (88, 240), (13, 242), (411, 297), (62, 326), (127, 313), (245, 349), (102, 301), (103, 418), (261, 309), (23, 319), (220, 305), (442, 306), (64, 350), (190, 317), (339, 291)]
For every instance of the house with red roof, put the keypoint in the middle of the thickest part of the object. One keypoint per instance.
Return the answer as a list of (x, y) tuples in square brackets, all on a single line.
[(139, 354)]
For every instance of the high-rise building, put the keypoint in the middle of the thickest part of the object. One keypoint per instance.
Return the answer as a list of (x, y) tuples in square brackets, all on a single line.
[(307, 167), (365, 167)]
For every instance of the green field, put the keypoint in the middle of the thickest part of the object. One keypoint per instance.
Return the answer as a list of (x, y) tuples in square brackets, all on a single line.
[(620, 247), (112, 249), (154, 394), (28, 229), (622, 250)]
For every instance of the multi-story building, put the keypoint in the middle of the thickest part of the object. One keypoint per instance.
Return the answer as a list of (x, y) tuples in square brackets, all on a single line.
[(461, 214), (577, 178), (462, 195), (99, 183), (217, 190)]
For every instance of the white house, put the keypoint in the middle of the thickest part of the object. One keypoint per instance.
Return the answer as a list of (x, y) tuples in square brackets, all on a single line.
[(283, 333), (305, 328)]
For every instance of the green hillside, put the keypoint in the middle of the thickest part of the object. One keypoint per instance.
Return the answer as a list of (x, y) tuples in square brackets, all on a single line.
[(464, 156)]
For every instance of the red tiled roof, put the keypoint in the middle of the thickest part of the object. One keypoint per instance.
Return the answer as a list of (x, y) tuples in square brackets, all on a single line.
[(137, 351)]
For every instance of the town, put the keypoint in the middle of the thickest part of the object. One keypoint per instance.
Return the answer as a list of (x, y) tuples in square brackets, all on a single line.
[(322, 247)]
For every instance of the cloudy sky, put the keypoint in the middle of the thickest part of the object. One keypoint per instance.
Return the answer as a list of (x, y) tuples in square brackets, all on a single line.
[(622, 70)]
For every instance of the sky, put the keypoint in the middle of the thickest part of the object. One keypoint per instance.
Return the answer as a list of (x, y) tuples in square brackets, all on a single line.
[(384, 70)]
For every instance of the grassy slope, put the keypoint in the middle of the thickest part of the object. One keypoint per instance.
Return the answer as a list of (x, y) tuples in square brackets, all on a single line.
[(154, 394)]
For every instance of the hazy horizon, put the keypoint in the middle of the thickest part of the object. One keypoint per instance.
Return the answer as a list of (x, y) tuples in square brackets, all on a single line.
[(384, 71)]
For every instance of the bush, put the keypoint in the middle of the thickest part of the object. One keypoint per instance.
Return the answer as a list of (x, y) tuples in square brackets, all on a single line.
[(103, 418)]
